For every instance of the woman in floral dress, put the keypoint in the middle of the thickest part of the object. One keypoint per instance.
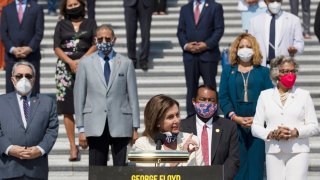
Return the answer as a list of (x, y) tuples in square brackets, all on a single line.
[(73, 39)]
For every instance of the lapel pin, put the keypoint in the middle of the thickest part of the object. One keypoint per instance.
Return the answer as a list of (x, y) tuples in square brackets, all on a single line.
[(206, 4), (232, 72), (217, 130), (28, 5)]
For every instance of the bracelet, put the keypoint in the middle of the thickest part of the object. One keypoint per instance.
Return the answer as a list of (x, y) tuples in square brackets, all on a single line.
[(231, 114), (233, 117)]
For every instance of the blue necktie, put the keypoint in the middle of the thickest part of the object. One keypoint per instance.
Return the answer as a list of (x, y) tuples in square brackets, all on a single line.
[(272, 37), (107, 69), (26, 107)]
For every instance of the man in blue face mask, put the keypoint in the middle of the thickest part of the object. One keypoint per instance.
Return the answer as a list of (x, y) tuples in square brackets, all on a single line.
[(218, 136), (106, 101)]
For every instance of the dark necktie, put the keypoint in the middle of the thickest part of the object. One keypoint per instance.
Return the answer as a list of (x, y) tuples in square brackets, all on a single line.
[(204, 145), (26, 107), (197, 12), (272, 37), (20, 11), (107, 69)]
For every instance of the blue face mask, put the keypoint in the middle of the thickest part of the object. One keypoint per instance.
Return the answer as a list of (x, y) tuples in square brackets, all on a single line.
[(105, 47), (170, 137)]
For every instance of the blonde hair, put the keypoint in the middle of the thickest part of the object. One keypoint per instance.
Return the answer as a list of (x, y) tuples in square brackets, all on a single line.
[(257, 56), (155, 112)]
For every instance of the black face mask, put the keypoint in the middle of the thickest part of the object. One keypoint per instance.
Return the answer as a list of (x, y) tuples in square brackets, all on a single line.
[(75, 13)]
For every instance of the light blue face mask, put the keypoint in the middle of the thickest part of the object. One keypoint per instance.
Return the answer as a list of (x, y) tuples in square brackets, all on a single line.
[(104, 47)]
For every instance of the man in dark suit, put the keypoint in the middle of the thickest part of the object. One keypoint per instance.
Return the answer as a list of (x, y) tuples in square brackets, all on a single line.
[(201, 26), (22, 31), (134, 11), (218, 136), (28, 128)]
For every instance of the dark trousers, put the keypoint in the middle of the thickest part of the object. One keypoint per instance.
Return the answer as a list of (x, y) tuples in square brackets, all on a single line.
[(52, 5), (133, 15), (193, 70), (91, 4), (24, 178), (252, 156), (99, 149), (9, 84), (294, 5), (160, 5)]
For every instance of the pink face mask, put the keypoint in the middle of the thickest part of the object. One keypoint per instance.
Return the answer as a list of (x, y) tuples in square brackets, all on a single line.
[(288, 80)]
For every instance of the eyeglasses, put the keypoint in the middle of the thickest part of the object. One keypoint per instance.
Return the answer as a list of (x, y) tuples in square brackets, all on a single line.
[(106, 39), (20, 76), (287, 71)]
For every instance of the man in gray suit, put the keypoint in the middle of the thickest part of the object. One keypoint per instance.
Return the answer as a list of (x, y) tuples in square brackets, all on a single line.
[(106, 101), (28, 128)]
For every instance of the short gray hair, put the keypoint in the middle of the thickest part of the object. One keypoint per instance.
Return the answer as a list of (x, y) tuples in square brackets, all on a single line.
[(107, 27), (25, 63), (277, 62)]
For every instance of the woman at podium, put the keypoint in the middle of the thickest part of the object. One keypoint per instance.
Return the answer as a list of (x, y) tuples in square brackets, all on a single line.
[(162, 124)]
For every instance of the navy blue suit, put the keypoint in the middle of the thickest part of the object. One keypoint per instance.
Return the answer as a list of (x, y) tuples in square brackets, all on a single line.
[(28, 33), (209, 29)]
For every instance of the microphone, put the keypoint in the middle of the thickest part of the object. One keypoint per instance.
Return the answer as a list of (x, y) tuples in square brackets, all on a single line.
[(159, 140)]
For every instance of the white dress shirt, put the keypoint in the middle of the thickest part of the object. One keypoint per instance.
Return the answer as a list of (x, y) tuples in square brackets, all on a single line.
[(200, 124)]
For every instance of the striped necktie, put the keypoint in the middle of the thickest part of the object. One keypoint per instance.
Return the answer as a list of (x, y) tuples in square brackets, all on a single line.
[(26, 107)]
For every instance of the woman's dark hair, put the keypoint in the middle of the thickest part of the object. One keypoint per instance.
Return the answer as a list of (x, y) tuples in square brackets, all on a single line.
[(63, 7)]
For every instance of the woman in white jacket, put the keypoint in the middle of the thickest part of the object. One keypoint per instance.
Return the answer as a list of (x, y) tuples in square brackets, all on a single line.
[(285, 118)]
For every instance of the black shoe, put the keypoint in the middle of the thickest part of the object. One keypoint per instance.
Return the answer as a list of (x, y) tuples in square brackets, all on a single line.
[(144, 65)]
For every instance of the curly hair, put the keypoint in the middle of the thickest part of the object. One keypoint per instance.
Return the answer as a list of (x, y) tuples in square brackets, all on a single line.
[(257, 56), (277, 62)]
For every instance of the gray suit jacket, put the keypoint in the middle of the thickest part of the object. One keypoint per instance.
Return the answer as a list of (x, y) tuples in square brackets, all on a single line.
[(42, 130), (290, 35), (95, 101)]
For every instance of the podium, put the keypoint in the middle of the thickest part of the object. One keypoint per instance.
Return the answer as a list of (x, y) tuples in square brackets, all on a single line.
[(158, 156), (214, 172)]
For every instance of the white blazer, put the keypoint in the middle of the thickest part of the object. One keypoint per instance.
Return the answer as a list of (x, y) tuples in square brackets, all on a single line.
[(290, 34), (195, 158), (298, 112), (244, 6)]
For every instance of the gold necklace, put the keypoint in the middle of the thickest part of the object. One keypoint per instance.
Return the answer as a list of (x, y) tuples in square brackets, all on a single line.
[(245, 86)]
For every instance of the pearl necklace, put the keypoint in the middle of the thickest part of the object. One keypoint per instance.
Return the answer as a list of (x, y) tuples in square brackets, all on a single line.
[(283, 97)]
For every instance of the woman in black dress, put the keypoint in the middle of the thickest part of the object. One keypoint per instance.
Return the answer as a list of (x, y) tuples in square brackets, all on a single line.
[(73, 39)]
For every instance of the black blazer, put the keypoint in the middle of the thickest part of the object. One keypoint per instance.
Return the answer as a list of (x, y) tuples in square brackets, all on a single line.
[(209, 29), (28, 33), (224, 147)]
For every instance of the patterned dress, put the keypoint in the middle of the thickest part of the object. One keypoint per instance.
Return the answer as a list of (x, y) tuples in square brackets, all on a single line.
[(74, 45)]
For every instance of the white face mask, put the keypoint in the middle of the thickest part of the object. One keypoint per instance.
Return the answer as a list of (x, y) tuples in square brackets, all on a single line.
[(274, 7), (23, 86), (245, 54)]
